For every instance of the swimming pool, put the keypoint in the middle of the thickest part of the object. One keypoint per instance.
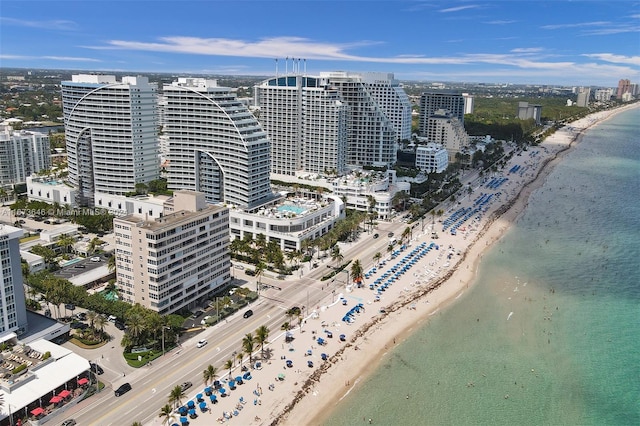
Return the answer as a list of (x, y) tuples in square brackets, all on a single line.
[(292, 209)]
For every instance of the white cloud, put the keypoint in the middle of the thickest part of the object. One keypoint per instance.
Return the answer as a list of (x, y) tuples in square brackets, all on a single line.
[(459, 8), (575, 25), (616, 59), (50, 58), (498, 22), (527, 50), (57, 24)]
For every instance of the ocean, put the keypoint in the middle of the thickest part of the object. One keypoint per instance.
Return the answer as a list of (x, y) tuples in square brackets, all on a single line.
[(549, 334)]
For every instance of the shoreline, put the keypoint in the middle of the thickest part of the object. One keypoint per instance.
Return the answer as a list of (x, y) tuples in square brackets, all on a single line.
[(304, 379), (306, 408)]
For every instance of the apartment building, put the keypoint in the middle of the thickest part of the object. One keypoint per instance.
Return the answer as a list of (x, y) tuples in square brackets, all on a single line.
[(13, 311), (111, 134), (215, 145), (306, 122), (22, 153), (432, 158), (174, 261), (432, 101), (445, 129)]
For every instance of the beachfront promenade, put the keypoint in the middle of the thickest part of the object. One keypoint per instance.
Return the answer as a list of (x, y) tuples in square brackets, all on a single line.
[(299, 379)]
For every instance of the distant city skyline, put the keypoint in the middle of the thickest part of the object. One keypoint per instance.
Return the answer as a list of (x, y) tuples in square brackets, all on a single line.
[(591, 43)]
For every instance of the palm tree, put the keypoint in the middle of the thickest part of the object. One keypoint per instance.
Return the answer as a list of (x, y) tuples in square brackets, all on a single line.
[(176, 395), (260, 267), (91, 317), (336, 255), (136, 424), (262, 333), (167, 413), (209, 374), (111, 263), (406, 234), (247, 344), (65, 241), (98, 322), (356, 271), (240, 357), (377, 257), (94, 244), (229, 365)]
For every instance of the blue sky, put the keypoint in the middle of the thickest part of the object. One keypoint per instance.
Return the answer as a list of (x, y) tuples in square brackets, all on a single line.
[(511, 41)]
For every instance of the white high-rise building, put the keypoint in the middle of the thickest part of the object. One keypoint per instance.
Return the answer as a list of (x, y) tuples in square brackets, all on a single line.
[(371, 134), (393, 100), (215, 145), (306, 122), (13, 312), (22, 153), (174, 261), (111, 134)]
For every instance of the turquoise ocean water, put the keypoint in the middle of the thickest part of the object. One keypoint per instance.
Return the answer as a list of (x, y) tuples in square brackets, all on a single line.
[(550, 332)]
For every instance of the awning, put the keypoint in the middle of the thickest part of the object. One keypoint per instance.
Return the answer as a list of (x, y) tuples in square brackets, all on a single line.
[(65, 393), (55, 399), (37, 411), (83, 381)]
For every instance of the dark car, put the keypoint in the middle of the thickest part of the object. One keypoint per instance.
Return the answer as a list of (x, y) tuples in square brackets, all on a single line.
[(390, 234), (77, 325), (248, 313), (120, 326), (69, 422), (124, 388), (70, 306), (375, 236), (96, 369), (250, 272)]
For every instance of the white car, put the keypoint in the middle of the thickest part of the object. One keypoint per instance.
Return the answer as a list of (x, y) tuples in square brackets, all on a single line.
[(95, 259), (201, 343), (204, 320)]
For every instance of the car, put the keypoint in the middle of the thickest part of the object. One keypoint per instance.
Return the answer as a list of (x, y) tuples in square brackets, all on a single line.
[(69, 422), (375, 236), (77, 325), (81, 316), (201, 343), (247, 314), (196, 314), (95, 259), (120, 326), (204, 320), (390, 234), (80, 266), (112, 318), (70, 306), (124, 388), (96, 368), (250, 272), (185, 385), (47, 222)]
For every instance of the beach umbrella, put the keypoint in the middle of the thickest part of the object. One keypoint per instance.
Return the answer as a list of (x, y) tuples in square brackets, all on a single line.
[(184, 420), (323, 356), (191, 404), (223, 391), (192, 413), (199, 396), (208, 390), (214, 399), (182, 411), (239, 380), (246, 376), (281, 376), (203, 406)]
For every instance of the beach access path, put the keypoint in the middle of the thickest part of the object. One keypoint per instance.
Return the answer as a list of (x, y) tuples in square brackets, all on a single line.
[(301, 394)]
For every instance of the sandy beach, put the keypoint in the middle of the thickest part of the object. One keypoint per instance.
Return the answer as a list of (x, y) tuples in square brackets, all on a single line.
[(420, 280)]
